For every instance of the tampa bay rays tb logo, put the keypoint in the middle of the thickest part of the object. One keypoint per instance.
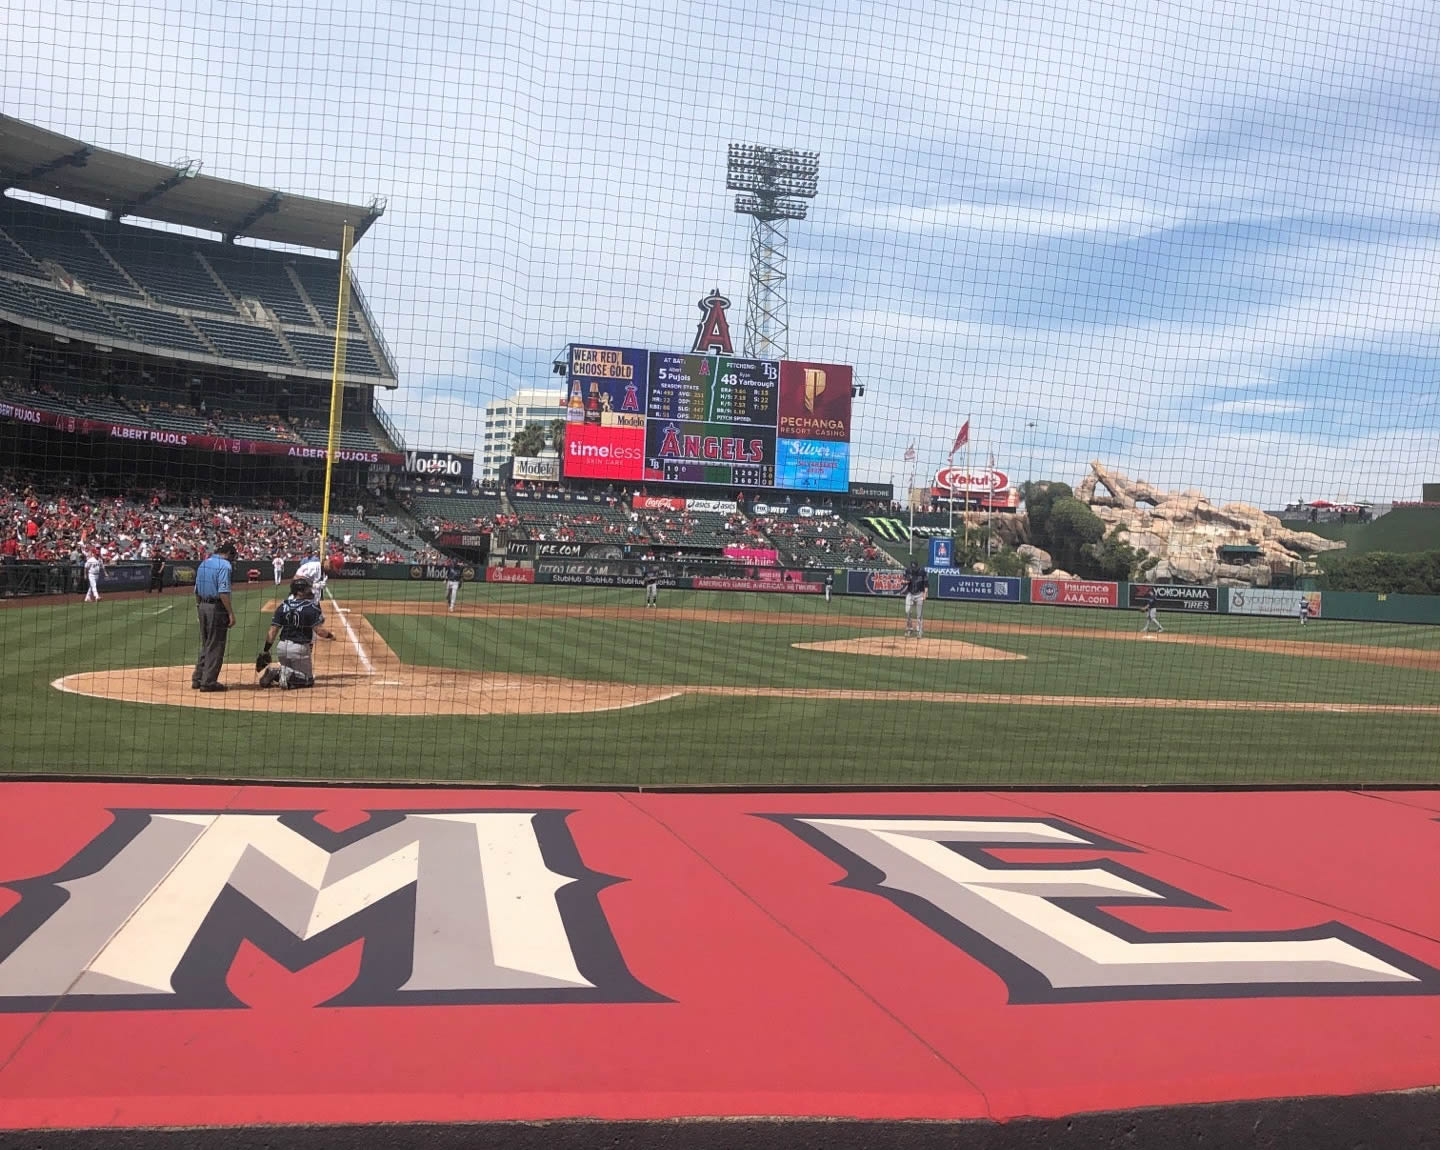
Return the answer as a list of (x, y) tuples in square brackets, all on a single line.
[(468, 906), (712, 333)]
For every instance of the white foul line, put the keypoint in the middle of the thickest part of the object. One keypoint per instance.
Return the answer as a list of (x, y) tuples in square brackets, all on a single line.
[(163, 610), (349, 630)]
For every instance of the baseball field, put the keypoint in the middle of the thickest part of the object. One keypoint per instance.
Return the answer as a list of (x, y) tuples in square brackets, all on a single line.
[(560, 685)]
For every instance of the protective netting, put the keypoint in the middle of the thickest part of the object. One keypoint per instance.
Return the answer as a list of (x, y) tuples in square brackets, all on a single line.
[(1085, 310)]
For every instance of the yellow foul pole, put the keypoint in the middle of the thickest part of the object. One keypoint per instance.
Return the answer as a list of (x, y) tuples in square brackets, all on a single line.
[(337, 380)]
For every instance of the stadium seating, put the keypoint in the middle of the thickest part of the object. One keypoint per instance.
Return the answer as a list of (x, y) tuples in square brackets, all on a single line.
[(161, 328), (576, 522), (692, 528), (822, 540), (457, 511), (132, 277)]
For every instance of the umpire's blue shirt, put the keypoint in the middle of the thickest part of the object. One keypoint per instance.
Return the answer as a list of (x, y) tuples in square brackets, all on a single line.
[(212, 578)]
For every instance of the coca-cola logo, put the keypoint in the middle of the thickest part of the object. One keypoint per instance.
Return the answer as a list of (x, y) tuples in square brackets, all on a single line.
[(961, 479)]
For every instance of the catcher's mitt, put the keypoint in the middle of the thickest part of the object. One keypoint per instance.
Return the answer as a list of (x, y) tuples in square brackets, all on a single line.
[(262, 661)]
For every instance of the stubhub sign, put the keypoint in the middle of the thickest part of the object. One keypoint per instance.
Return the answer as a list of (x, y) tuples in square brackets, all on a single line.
[(593, 451)]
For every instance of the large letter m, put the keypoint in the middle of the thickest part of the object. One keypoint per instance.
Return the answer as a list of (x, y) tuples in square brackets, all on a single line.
[(453, 907)]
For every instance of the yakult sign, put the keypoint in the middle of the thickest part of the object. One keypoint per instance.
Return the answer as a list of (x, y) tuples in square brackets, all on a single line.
[(959, 479), (449, 466)]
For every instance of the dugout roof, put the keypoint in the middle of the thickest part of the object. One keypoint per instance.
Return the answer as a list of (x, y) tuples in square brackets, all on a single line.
[(47, 163)]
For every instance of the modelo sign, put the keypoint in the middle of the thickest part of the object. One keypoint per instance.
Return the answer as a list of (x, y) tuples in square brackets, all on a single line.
[(440, 465), (959, 479)]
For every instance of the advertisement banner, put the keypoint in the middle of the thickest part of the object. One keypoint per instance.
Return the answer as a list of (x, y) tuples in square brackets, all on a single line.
[(77, 425), (1074, 593), (1265, 601), (812, 465), (607, 387), (1173, 597), (986, 588), (535, 470), (942, 552), (509, 575), (604, 452), (958, 479), (884, 492), (446, 466), (578, 579), (731, 455), (457, 539), (712, 389), (714, 506), (874, 583), (720, 583), (657, 503), (815, 401), (760, 556)]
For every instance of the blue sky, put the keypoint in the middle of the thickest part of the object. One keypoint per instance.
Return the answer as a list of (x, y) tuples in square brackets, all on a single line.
[(1197, 240)]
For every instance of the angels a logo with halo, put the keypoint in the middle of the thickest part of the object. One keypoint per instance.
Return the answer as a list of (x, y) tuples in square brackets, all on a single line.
[(712, 333)]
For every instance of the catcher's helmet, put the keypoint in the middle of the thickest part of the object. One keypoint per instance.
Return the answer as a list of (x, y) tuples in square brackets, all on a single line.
[(300, 586)]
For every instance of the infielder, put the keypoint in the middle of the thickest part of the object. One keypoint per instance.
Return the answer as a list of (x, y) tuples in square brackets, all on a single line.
[(278, 566), (829, 584), (454, 573), (296, 622), (93, 570), (1302, 609), (917, 586), (1151, 620), (313, 572), (652, 587)]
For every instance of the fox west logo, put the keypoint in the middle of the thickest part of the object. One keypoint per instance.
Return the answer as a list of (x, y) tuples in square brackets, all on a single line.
[(1044, 928), (712, 333), (474, 906)]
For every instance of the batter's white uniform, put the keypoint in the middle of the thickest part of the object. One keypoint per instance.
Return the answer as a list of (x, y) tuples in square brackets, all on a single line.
[(313, 570), (93, 570), (278, 565)]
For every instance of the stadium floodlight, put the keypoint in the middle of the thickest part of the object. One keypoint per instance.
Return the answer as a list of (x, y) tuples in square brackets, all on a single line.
[(775, 183)]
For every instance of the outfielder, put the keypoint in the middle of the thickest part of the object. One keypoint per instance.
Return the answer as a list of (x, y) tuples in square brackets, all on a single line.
[(829, 584), (1151, 620), (917, 586), (93, 570), (652, 587), (454, 573), (296, 623)]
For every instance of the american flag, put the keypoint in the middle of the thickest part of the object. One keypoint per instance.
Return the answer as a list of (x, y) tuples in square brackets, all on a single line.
[(910, 455)]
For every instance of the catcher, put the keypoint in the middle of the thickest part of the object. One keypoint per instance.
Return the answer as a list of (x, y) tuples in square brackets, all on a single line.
[(296, 623)]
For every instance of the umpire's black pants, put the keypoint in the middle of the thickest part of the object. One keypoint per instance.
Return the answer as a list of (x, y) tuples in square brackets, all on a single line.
[(214, 630)]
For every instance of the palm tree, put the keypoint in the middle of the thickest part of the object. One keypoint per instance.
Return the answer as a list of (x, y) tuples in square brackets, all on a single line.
[(527, 442)]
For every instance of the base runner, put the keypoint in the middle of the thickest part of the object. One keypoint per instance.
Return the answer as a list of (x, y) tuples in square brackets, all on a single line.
[(917, 586), (296, 623)]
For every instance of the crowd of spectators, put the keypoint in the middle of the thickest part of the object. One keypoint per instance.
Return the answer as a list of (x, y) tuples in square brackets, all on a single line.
[(821, 541)]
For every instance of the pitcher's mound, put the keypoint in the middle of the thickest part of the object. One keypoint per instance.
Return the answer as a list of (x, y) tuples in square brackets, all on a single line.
[(393, 691), (899, 647)]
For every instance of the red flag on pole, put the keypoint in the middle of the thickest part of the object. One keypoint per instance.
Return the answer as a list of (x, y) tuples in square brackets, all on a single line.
[(961, 439), (910, 456)]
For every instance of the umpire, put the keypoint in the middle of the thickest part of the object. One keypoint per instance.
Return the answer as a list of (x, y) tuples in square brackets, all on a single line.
[(212, 605)]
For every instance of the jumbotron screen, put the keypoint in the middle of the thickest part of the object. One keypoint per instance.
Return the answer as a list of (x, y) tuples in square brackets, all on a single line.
[(729, 421)]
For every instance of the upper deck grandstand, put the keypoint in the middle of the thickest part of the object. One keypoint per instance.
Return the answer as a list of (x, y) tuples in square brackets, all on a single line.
[(208, 303)]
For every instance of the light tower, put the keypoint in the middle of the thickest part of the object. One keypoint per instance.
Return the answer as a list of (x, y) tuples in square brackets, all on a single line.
[(775, 183)]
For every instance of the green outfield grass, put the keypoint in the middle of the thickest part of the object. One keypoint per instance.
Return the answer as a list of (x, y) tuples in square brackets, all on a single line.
[(726, 740)]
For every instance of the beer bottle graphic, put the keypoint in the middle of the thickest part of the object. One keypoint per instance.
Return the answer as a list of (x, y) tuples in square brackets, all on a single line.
[(575, 409), (592, 403)]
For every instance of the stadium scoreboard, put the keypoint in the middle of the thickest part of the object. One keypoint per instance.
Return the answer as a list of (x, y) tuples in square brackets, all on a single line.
[(729, 421)]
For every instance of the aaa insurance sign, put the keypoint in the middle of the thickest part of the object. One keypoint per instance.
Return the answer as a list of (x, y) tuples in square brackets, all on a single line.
[(745, 949)]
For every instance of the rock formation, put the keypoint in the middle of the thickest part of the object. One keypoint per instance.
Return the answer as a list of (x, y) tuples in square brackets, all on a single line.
[(1186, 531), (1183, 529)]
